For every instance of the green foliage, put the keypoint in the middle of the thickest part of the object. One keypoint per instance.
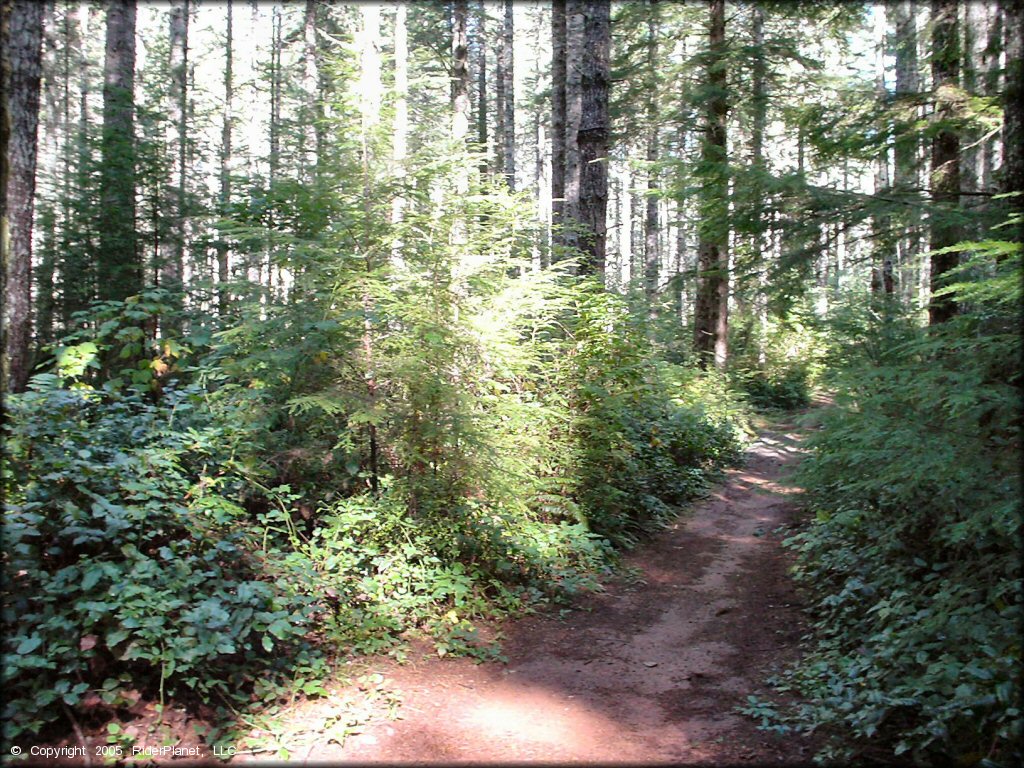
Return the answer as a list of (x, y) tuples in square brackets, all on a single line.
[(641, 452), (129, 563), (914, 553), (778, 362)]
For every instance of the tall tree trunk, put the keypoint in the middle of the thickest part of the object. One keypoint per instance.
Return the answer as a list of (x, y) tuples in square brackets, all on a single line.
[(460, 70), (172, 248), (481, 86), (78, 273), (882, 245), (945, 231), (119, 272), (21, 37), (575, 20), (759, 122), (906, 145), (652, 251), (460, 92), (370, 91), (592, 136), (711, 311), (54, 90), (506, 105), (275, 94), (273, 273), (400, 142), (310, 89), (558, 78), (1013, 108), (223, 257)]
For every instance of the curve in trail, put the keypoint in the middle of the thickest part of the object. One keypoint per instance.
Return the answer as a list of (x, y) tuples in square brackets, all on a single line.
[(648, 671)]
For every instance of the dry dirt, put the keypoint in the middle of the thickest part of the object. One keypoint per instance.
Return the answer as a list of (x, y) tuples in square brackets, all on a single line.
[(648, 671)]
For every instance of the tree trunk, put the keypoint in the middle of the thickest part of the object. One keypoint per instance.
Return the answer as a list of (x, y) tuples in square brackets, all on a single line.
[(711, 311), (882, 242), (558, 78), (481, 86), (54, 92), (460, 70), (400, 139), (21, 42), (945, 154), (78, 273), (593, 134), (1013, 106), (906, 145), (275, 94), (119, 272), (759, 122), (172, 247), (574, 33), (223, 264), (310, 89), (506, 105), (652, 251)]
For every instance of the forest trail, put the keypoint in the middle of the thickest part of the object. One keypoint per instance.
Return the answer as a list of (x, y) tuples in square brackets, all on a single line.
[(648, 671)]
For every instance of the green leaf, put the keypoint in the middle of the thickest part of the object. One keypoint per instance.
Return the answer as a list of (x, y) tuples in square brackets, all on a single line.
[(29, 644)]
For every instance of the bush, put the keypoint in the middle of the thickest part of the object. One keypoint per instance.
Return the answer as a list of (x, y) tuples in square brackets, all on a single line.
[(644, 446), (785, 387), (129, 563), (914, 553)]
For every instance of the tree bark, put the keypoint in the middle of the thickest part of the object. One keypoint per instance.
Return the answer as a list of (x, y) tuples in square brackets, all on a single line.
[(223, 263), (310, 89), (592, 136), (711, 311), (481, 87), (907, 144), (172, 246), (1013, 108), (21, 39), (558, 76), (882, 243), (460, 70), (54, 111), (945, 154), (574, 36), (652, 251), (400, 138), (506, 105), (119, 272)]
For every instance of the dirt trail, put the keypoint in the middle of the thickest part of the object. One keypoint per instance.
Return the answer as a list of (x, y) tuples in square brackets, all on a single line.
[(648, 671)]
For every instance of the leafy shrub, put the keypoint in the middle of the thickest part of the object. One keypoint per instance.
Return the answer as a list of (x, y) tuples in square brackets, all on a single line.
[(781, 387), (388, 572), (129, 563), (642, 451), (914, 552)]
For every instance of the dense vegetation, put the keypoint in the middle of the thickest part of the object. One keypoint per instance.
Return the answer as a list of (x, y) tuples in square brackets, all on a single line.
[(386, 338)]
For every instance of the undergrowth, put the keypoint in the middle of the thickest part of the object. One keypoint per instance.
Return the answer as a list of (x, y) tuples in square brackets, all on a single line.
[(914, 554)]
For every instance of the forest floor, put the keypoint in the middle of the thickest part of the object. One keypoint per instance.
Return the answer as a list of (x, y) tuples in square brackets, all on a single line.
[(649, 670)]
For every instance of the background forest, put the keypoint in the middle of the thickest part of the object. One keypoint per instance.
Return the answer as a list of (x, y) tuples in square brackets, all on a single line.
[(326, 323)]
